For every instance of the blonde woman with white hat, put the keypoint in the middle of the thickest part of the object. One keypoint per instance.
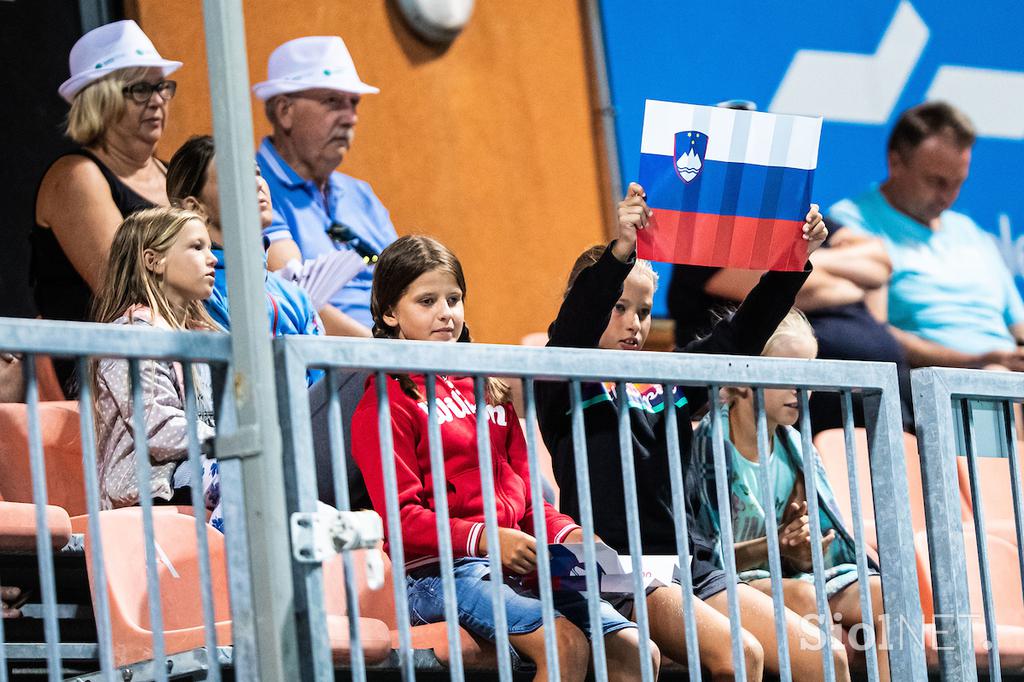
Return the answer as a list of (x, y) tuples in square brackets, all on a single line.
[(118, 92)]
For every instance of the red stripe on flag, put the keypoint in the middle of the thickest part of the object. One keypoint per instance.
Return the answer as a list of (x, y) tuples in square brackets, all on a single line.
[(699, 239)]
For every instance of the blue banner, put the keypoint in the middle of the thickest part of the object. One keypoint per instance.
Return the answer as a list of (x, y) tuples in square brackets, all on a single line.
[(857, 64)]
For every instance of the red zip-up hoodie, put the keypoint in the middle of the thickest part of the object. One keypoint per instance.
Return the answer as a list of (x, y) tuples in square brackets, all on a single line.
[(457, 413)]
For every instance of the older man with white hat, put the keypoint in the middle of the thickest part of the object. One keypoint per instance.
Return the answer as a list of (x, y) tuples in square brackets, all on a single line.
[(311, 95)]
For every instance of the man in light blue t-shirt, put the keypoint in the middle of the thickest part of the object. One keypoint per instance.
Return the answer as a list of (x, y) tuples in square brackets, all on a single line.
[(952, 301), (311, 94)]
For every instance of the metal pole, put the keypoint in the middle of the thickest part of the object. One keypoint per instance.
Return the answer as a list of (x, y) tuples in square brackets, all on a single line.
[(257, 439), (605, 107)]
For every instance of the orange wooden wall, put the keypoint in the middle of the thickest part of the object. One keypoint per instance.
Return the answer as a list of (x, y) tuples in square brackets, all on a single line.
[(491, 145)]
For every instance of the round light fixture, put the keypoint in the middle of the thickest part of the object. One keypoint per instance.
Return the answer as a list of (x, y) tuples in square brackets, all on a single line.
[(436, 21)]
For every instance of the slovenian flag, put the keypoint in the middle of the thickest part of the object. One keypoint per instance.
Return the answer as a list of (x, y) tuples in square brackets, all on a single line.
[(728, 188)]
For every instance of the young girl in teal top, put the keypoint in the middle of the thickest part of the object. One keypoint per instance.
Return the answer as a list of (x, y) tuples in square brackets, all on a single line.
[(794, 338)]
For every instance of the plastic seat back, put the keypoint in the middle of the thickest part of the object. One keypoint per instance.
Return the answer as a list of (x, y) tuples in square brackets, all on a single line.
[(18, 526), (378, 604), (996, 495), (62, 451), (1008, 597), (831, 445), (179, 581)]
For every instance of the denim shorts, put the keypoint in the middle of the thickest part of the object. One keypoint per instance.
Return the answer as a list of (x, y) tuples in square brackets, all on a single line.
[(473, 595)]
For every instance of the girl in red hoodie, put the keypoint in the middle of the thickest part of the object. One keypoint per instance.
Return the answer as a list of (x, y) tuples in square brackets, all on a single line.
[(418, 294)]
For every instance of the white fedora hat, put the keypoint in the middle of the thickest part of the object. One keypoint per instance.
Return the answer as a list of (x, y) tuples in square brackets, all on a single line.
[(311, 62), (108, 48)]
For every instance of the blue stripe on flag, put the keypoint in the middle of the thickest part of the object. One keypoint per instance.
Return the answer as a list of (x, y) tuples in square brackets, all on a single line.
[(724, 188)]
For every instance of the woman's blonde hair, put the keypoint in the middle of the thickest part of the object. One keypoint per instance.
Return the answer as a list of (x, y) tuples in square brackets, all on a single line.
[(400, 264), (794, 325), (128, 282), (99, 105)]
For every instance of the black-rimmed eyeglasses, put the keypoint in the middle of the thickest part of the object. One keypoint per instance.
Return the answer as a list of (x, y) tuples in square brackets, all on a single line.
[(141, 92)]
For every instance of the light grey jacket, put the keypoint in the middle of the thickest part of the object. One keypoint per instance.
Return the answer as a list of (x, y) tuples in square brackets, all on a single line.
[(166, 428)]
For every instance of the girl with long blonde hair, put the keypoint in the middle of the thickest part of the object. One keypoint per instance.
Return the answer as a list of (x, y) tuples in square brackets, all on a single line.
[(159, 272)]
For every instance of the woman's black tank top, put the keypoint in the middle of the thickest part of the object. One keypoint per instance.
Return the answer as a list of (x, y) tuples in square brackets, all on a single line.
[(60, 292)]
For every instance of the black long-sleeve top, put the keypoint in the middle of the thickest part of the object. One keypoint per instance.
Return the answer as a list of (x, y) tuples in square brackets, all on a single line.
[(582, 319)]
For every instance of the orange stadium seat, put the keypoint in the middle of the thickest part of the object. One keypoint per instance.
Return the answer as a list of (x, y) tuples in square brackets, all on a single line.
[(62, 450), (477, 654), (18, 526), (997, 497), (831, 445), (1008, 602), (124, 562)]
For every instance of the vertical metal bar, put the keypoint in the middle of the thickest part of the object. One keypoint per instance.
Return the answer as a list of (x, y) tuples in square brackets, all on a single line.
[(860, 548), (44, 551), (3, 645), (767, 482), (262, 465), (244, 644), (395, 545), (1010, 430), (582, 465), (300, 479), (483, 443), (679, 516), (339, 471), (935, 441), (547, 601), (724, 495), (439, 481), (143, 472), (992, 645), (199, 511), (101, 599), (633, 530), (817, 560), (605, 105)]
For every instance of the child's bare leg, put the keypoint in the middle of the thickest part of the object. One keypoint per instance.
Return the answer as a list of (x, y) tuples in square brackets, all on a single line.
[(573, 650), (622, 650), (804, 638), (847, 605), (665, 611)]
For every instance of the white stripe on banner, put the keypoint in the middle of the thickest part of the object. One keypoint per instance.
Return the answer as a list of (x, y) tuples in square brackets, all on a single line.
[(662, 120)]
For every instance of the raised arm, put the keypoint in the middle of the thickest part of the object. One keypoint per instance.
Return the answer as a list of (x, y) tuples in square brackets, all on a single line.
[(924, 353)]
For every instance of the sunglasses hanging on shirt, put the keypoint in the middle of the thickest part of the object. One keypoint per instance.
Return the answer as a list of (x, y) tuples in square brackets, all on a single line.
[(342, 234)]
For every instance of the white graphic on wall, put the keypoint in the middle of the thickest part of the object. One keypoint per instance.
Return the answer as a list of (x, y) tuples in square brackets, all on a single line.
[(859, 88), (855, 88), (994, 100)]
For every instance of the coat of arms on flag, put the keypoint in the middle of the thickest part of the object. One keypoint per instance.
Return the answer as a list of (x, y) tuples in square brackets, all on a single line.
[(728, 188), (691, 146)]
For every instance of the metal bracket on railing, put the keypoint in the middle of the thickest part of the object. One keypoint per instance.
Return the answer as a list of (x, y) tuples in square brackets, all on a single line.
[(245, 441), (319, 535)]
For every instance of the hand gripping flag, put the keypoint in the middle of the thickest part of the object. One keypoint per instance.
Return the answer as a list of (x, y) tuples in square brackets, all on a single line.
[(728, 188)]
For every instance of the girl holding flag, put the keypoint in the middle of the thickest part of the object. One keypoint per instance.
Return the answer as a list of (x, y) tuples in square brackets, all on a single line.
[(608, 305)]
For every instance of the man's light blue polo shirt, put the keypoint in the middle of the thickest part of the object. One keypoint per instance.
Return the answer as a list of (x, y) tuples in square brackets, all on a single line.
[(950, 286), (302, 213)]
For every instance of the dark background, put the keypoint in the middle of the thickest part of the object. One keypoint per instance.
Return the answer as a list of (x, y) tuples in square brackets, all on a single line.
[(35, 39)]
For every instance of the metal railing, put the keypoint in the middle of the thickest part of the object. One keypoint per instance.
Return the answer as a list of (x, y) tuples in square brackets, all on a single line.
[(86, 343), (876, 383), (938, 394)]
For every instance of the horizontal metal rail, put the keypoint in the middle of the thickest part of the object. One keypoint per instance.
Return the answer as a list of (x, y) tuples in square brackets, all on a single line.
[(876, 382)]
